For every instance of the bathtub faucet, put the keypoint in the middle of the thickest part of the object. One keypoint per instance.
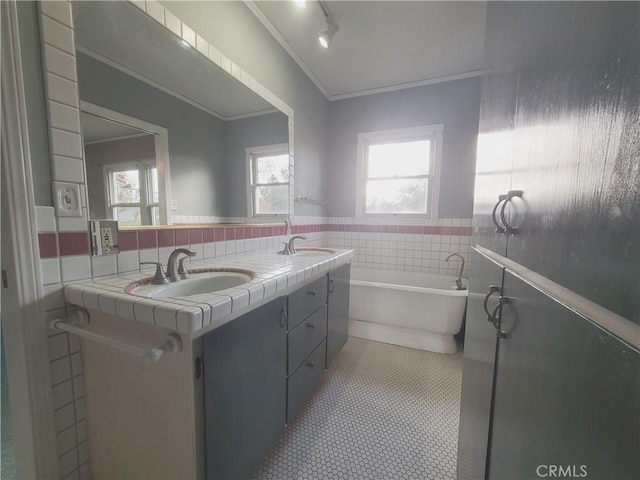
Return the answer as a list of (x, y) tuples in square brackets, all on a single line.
[(459, 284)]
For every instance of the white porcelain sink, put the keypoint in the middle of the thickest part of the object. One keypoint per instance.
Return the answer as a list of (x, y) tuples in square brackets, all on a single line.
[(313, 252), (202, 282)]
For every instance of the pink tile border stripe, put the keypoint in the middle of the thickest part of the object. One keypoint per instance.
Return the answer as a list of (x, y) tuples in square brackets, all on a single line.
[(77, 243)]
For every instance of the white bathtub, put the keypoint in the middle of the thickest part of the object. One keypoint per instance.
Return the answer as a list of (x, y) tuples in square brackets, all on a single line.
[(418, 310)]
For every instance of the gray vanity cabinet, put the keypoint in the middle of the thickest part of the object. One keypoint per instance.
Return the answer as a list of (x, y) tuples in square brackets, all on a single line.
[(338, 315), (307, 342), (245, 390)]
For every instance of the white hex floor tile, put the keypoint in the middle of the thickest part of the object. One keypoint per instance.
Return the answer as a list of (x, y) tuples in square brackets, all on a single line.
[(380, 412)]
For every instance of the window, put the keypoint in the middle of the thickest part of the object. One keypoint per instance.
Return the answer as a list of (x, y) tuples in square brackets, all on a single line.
[(132, 193), (399, 172), (268, 169)]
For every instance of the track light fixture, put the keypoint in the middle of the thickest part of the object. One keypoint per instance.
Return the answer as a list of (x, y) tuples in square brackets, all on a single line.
[(326, 36)]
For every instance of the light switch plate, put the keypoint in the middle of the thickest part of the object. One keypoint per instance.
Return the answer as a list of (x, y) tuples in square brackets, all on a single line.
[(104, 237), (67, 200)]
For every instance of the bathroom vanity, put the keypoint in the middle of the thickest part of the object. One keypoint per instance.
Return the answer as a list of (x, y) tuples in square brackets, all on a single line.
[(215, 409)]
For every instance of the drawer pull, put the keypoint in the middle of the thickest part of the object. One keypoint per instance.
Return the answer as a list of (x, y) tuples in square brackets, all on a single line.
[(311, 292), (310, 364), (283, 317), (311, 325)]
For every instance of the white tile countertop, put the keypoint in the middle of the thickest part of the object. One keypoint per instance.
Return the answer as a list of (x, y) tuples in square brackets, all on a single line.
[(276, 275)]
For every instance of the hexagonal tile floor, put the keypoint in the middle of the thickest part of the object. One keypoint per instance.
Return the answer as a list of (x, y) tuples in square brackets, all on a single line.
[(381, 412)]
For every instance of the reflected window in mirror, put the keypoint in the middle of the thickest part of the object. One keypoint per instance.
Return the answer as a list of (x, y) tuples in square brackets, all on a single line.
[(269, 180), (132, 193)]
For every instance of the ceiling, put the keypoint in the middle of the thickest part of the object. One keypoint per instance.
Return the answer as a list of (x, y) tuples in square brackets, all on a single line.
[(97, 129), (380, 45)]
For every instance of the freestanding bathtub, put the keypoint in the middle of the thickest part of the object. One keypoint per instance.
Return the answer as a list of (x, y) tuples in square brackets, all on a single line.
[(418, 310)]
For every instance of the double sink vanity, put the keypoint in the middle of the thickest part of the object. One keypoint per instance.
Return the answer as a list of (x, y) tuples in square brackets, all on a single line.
[(255, 332)]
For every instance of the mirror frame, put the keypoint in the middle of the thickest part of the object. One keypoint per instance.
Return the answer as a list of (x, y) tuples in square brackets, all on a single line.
[(63, 99)]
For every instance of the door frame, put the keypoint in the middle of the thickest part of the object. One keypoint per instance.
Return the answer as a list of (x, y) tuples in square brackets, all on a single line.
[(24, 326)]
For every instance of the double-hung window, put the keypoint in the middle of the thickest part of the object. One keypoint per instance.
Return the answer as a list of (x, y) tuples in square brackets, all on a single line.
[(399, 172), (132, 193), (268, 169)]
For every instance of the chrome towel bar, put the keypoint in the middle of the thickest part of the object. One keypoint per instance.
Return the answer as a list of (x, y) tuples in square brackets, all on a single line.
[(300, 199), (74, 324)]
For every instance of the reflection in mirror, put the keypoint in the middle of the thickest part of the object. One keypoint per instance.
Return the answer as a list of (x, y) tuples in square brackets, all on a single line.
[(135, 68), (122, 167)]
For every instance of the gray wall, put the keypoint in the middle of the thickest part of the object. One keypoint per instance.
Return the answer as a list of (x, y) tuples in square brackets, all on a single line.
[(98, 155), (232, 28), (196, 139), (36, 107), (455, 104), (241, 134)]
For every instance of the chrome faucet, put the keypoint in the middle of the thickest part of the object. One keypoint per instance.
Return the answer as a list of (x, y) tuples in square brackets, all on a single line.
[(459, 284), (175, 272), (289, 247)]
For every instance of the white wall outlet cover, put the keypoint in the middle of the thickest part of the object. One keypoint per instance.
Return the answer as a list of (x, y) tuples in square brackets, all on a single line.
[(67, 199), (174, 205)]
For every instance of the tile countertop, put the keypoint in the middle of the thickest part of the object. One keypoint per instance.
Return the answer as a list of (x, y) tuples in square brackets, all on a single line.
[(276, 275)]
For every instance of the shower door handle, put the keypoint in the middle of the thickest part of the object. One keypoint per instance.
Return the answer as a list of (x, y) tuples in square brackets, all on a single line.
[(492, 289), (510, 194), (494, 319), (499, 228)]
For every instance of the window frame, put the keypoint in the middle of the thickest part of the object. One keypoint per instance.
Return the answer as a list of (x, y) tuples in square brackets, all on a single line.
[(433, 133), (146, 203), (253, 153)]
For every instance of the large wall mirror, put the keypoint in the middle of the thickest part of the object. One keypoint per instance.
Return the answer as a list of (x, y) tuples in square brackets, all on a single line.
[(167, 133)]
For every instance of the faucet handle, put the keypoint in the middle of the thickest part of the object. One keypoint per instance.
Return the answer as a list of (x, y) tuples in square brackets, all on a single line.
[(285, 249), (159, 278), (181, 270)]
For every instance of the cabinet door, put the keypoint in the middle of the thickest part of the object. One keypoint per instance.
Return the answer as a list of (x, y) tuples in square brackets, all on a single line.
[(576, 148), (245, 391), (338, 325), (566, 394), (479, 359)]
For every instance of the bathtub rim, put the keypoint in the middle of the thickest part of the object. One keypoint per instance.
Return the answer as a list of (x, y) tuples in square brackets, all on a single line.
[(411, 288)]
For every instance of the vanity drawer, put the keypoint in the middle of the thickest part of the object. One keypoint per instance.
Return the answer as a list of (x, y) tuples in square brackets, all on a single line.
[(306, 336), (305, 379), (305, 301)]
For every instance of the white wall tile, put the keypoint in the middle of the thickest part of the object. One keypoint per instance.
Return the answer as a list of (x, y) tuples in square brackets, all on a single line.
[(128, 261), (60, 370), (78, 386), (76, 364), (58, 346), (148, 255), (64, 117), (80, 409), (155, 11), (60, 89), (74, 224), (60, 63), (104, 265), (66, 440), (60, 11), (64, 417), (75, 268), (66, 169), (58, 35), (50, 270), (45, 219), (63, 395), (67, 463), (53, 298), (188, 35), (173, 23), (66, 144)]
